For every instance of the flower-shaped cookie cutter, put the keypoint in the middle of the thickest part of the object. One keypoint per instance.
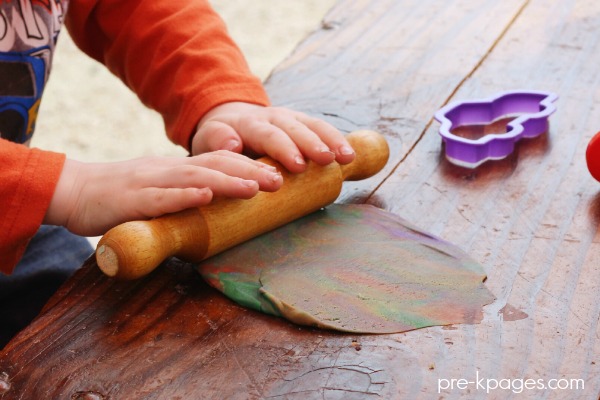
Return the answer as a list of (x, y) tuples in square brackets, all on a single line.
[(531, 110)]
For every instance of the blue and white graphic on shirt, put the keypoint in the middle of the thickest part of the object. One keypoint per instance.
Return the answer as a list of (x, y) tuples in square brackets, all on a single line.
[(28, 33)]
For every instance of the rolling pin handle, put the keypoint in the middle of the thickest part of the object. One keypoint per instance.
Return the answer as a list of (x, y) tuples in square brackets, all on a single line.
[(372, 153), (134, 249)]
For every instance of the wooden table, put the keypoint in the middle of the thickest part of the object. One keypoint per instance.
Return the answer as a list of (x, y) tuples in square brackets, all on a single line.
[(531, 219)]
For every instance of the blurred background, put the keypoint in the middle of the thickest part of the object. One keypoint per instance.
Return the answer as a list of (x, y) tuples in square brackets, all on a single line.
[(90, 115)]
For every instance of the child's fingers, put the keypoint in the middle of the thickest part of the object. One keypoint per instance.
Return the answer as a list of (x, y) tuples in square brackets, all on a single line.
[(216, 135), (211, 159), (309, 143), (285, 135), (344, 153), (190, 176), (266, 138), (267, 176), (191, 171), (310, 137), (154, 202)]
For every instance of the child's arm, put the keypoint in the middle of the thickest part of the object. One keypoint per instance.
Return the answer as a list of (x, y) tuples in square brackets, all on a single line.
[(27, 181), (177, 57)]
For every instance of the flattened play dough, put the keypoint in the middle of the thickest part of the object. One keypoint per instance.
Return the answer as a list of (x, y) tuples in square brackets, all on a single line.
[(353, 268)]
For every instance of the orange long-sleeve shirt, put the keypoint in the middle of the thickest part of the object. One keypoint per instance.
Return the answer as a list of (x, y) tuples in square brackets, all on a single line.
[(175, 55)]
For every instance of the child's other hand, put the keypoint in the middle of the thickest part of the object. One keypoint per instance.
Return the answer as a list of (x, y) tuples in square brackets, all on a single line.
[(285, 135), (92, 198)]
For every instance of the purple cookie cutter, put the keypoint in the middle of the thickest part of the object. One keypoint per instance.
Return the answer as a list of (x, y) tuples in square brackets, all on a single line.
[(531, 108)]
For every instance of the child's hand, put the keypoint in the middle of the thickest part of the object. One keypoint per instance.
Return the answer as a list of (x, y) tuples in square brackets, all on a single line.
[(285, 135), (92, 198)]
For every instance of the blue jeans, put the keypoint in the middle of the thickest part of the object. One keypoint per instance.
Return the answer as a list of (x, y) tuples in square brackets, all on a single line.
[(50, 259)]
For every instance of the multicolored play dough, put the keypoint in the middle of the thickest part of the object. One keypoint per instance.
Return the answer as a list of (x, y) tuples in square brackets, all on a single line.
[(352, 268)]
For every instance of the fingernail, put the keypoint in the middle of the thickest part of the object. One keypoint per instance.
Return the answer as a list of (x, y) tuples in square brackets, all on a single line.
[(248, 183), (299, 160), (203, 192), (325, 150), (275, 178), (269, 167), (231, 145), (346, 150)]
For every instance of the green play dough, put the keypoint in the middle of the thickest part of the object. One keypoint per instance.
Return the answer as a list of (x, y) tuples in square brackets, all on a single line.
[(353, 268)]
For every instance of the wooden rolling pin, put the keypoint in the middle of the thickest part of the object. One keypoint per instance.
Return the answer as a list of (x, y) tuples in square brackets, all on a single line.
[(134, 249)]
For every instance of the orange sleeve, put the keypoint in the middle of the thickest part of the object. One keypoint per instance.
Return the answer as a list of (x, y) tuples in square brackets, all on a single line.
[(175, 55), (29, 177)]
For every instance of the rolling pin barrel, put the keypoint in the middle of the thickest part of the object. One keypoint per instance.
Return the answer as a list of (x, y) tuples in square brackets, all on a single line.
[(133, 249)]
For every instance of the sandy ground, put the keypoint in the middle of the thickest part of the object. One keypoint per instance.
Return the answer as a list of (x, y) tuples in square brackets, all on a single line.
[(91, 116)]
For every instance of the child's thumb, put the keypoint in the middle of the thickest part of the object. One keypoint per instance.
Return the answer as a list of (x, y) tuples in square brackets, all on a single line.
[(216, 135)]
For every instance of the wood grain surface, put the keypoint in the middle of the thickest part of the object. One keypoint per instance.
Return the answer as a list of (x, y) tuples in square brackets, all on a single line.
[(531, 220)]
